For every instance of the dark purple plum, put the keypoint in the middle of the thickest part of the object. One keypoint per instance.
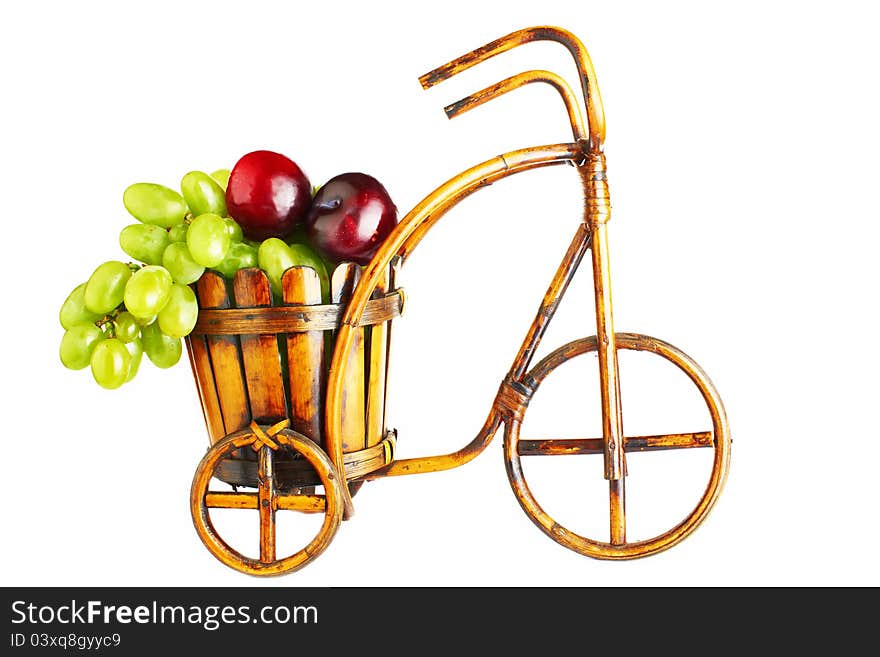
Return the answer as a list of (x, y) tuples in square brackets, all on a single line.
[(350, 217)]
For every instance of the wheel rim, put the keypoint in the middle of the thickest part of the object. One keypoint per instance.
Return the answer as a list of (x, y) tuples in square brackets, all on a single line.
[(267, 503), (635, 549)]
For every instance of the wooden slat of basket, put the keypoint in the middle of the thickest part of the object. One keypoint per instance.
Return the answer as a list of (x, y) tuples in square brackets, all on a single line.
[(305, 356), (376, 378), (225, 357), (262, 364), (197, 349), (342, 284)]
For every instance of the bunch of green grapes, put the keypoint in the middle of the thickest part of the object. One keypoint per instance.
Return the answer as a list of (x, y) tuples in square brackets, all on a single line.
[(125, 310)]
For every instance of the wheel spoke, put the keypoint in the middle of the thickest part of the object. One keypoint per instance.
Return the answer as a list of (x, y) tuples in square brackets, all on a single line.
[(617, 508), (301, 503), (231, 500), (266, 496), (570, 446)]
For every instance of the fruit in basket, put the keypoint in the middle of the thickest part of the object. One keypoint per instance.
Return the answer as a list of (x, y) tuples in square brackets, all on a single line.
[(77, 345), (252, 216), (267, 194), (147, 291), (178, 317), (234, 230), (222, 177), (177, 233), (154, 204), (208, 239), (275, 257), (305, 256), (110, 363), (132, 308), (136, 351), (106, 286), (203, 194), (126, 327), (162, 350), (350, 217), (180, 264), (240, 256), (144, 242), (73, 310)]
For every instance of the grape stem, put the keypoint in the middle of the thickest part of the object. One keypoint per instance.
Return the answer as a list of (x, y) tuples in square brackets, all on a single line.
[(108, 322)]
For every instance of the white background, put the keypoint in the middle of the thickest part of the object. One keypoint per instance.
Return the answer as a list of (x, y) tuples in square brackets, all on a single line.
[(742, 155)]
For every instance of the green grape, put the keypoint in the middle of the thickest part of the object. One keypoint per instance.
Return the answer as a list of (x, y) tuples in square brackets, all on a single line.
[(154, 204), (145, 321), (177, 233), (222, 177), (144, 242), (136, 351), (239, 256), (203, 194), (162, 350), (110, 363), (235, 234), (305, 255), (126, 327), (147, 291), (77, 345), (179, 315), (208, 239), (275, 257), (73, 310), (180, 264), (106, 286)]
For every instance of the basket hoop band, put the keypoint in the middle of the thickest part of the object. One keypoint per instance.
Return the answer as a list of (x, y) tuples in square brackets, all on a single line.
[(292, 319)]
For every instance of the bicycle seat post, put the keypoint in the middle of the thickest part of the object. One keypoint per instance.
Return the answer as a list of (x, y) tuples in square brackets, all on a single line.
[(597, 213)]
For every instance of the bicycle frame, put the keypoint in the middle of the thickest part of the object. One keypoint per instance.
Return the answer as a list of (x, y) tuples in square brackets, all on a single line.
[(327, 463), (585, 152)]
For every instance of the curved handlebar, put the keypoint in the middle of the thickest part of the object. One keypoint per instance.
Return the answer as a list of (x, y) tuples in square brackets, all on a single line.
[(589, 86), (514, 82)]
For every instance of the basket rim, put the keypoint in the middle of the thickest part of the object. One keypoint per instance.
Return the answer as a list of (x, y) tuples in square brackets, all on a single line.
[(293, 318)]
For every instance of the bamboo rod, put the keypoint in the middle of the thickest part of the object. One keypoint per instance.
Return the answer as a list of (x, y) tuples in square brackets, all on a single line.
[(393, 285), (587, 75), (301, 503), (515, 82), (352, 409), (378, 348), (574, 446), (287, 319), (266, 496), (564, 273), (617, 518)]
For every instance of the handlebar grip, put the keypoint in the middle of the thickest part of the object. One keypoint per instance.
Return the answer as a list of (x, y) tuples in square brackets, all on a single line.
[(589, 87)]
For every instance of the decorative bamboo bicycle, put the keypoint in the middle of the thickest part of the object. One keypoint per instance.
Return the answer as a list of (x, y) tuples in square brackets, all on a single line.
[(276, 427)]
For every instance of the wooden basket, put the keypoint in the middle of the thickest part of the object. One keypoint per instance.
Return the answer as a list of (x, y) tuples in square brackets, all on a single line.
[(263, 358)]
